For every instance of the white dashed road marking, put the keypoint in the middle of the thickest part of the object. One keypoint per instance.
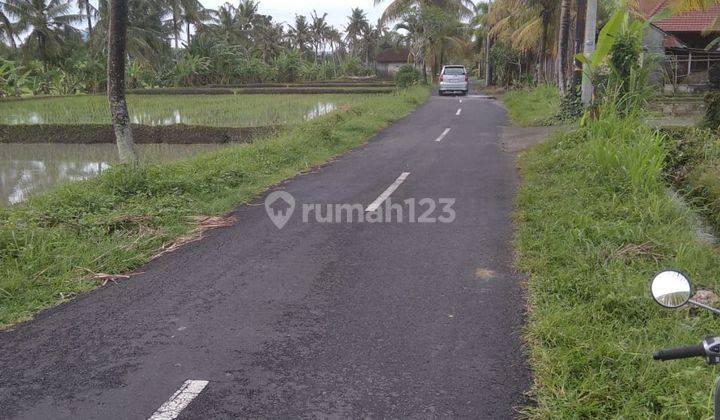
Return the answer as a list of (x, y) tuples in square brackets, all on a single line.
[(385, 195), (459, 111), (442, 136), (179, 400)]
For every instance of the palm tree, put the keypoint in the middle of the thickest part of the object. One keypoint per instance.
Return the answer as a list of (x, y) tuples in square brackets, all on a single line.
[(299, 34), (398, 8), (174, 22), (89, 11), (269, 39), (563, 44), (481, 31), (547, 10), (147, 37), (48, 23), (7, 28), (414, 29), (247, 15), (224, 22), (194, 14), (369, 43), (357, 27), (117, 40), (319, 29)]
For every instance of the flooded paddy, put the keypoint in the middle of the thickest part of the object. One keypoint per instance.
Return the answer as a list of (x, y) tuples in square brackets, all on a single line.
[(158, 110), (30, 168)]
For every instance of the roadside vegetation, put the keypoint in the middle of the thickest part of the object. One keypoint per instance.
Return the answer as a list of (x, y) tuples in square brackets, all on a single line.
[(55, 48), (596, 222), (59, 243), (605, 205), (205, 110), (693, 168), (532, 106)]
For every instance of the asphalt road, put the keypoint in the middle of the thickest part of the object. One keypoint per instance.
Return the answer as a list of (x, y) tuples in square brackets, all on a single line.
[(316, 320)]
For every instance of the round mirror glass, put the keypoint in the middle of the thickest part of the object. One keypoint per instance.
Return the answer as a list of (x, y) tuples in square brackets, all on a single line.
[(671, 289)]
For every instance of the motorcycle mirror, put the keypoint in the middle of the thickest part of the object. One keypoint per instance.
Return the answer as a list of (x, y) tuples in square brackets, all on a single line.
[(671, 289)]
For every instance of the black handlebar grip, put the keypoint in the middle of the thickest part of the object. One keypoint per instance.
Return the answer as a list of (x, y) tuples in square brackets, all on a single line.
[(680, 353)]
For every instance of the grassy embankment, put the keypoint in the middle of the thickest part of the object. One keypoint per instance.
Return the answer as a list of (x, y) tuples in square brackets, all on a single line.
[(206, 110), (596, 222), (532, 107), (694, 169), (116, 222)]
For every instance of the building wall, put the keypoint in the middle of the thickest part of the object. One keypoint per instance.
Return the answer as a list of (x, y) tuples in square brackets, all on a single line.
[(653, 46), (389, 69)]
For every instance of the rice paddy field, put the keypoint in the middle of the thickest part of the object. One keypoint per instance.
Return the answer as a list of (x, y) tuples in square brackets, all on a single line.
[(204, 110)]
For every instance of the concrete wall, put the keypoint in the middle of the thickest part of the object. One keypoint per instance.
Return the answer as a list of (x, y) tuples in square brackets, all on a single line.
[(389, 69), (654, 50)]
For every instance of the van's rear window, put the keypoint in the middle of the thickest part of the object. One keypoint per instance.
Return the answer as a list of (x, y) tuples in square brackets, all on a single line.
[(455, 71)]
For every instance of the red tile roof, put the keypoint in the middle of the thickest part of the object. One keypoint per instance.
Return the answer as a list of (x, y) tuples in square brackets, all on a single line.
[(698, 21)]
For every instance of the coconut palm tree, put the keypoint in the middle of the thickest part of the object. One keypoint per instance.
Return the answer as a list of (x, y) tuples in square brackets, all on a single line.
[(356, 29), (398, 8), (563, 45), (147, 37), (369, 43), (174, 22), (265, 36), (225, 22), (413, 29), (319, 29), (193, 14), (89, 11), (48, 23), (481, 29), (117, 41), (300, 34), (7, 28), (547, 10)]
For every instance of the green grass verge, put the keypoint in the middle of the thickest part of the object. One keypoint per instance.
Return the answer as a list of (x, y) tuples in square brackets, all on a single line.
[(595, 224), (117, 221), (694, 169), (532, 107), (207, 110)]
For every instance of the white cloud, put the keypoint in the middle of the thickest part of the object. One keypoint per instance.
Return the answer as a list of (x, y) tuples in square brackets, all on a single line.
[(337, 10)]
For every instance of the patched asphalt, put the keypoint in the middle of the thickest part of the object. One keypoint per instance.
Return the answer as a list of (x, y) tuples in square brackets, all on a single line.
[(345, 320)]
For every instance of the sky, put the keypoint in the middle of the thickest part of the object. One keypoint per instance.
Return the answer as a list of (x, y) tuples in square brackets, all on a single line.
[(337, 10)]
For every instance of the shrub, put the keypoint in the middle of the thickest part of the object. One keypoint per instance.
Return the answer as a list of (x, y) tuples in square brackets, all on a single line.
[(407, 76), (712, 110), (714, 76), (288, 66), (571, 106), (504, 60), (625, 55)]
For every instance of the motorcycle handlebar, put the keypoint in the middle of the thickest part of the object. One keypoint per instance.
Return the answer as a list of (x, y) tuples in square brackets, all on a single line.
[(680, 353)]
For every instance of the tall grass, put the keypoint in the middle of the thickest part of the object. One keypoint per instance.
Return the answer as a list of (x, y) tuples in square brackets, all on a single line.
[(208, 110), (532, 107), (115, 222), (595, 224)]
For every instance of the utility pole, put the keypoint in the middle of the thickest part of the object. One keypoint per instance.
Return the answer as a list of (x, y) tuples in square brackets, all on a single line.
[(590, 31), (488, 69)]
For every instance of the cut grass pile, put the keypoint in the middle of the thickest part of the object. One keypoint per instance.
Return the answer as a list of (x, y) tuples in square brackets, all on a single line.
[(595, 224), (50, 245), (532, 107), (205, 110)]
